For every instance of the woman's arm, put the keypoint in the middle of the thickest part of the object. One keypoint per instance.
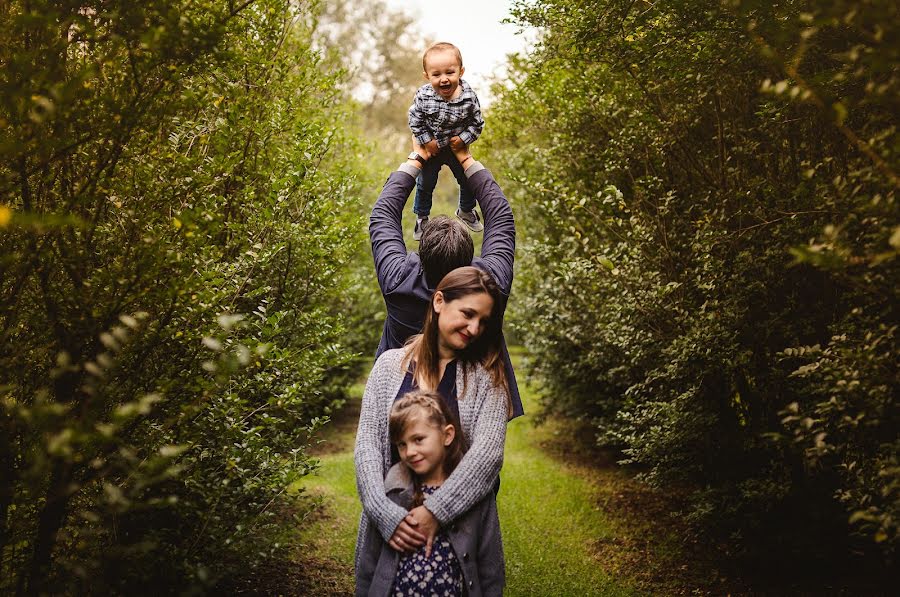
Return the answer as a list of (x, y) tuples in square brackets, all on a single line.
[(371, 443), (477, 472)]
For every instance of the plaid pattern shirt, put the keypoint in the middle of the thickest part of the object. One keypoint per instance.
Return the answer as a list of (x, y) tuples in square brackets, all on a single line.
[(433, 117)]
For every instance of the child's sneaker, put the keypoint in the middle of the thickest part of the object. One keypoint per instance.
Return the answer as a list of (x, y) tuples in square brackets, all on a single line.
[(417, 231), (470, 219)]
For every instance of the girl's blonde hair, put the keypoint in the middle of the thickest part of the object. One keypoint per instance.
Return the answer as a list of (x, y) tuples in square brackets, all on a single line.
[(422, 349), (431, 407)]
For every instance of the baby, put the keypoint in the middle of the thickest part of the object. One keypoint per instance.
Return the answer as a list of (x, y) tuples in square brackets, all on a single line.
[(445, 114)]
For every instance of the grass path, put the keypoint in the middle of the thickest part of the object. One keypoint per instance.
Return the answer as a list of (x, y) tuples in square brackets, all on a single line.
[(548, 513)]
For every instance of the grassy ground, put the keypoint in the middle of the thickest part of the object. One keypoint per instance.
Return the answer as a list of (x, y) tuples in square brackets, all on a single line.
[(548, 512), (550, 520)]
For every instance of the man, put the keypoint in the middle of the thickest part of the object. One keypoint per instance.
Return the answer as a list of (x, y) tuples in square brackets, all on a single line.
[(408, 279)]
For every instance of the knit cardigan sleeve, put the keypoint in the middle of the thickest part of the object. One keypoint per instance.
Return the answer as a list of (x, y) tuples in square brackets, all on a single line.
[(372, 445), (476, 473)]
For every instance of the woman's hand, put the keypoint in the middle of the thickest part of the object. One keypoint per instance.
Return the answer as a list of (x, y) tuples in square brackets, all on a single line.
[(427, 525), (406, 538)]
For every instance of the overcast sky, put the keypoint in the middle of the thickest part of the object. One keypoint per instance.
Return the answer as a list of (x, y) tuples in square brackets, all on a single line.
[(474, 26)]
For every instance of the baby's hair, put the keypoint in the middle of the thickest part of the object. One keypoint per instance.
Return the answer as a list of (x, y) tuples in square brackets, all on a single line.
[(440, 47), (436, 413)]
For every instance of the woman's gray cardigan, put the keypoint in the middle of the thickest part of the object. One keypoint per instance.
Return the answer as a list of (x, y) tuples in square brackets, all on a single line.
[(483, 416), (475, 537)]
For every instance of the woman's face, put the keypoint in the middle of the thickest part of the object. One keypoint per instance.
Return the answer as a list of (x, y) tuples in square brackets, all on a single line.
[(463, 320)]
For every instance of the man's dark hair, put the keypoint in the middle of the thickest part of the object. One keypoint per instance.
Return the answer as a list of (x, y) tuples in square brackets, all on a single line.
[(445, 246)]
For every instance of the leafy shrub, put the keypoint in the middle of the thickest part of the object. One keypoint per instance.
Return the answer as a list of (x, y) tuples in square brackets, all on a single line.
[(847, 424), (178, 218), (703, 187)]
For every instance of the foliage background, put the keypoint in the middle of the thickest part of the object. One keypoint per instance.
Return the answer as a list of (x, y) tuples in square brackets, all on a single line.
[(707, 199), (706, 202), (180, 192)]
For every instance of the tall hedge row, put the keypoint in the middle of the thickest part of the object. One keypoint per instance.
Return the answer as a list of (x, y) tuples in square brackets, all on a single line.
[(707, 194), (175, 219)]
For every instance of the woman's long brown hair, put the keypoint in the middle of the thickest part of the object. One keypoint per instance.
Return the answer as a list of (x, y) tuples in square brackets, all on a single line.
[(486, 349), (430, 406)]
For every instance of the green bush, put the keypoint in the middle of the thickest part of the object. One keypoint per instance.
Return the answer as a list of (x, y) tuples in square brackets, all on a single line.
[(179, 213), (702, 189)]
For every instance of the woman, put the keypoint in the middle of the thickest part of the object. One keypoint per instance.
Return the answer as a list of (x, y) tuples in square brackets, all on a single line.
[(457, 354)]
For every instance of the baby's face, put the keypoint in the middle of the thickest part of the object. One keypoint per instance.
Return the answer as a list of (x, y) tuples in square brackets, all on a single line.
[(442, 69)]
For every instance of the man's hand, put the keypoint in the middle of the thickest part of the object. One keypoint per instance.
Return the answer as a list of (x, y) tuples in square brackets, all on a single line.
[(465, 158), (432, 148), (423, 153), (406, 538), (422, 150), (427, 525), (456, 144)]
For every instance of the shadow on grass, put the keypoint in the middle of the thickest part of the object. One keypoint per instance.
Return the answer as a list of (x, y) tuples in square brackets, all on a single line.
[(653, 545)]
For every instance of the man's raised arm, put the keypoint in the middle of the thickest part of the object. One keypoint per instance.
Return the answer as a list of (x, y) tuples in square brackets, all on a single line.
[(498, 248), (385, 228)]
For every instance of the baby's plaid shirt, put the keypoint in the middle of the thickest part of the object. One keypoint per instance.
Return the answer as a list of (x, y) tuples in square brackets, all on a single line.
[(433, 117)]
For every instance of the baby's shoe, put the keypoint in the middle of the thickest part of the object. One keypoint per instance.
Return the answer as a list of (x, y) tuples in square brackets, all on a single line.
[(470, 219), (417, 231)]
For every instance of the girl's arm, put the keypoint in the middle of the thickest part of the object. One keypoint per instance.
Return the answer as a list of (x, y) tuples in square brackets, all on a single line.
[(371, 441), (477, 472)]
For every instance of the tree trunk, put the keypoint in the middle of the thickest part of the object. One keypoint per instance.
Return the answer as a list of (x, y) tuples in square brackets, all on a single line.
[(50, 521)]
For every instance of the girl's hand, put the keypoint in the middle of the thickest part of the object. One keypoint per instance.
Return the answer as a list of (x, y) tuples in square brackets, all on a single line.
[(427, 525), (456, 144), (406, 538)]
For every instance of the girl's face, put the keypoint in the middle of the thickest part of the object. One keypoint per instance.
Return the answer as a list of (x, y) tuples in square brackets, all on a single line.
[(461, 321), (423, 447)]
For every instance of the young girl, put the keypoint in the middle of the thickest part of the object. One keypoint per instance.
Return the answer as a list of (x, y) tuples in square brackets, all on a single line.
[(466, 558)]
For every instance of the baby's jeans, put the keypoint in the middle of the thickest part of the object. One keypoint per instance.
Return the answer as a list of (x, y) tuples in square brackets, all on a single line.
[(428, 177)]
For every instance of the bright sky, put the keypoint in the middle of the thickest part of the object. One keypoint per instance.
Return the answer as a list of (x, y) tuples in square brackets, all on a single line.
[(474, 26)]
